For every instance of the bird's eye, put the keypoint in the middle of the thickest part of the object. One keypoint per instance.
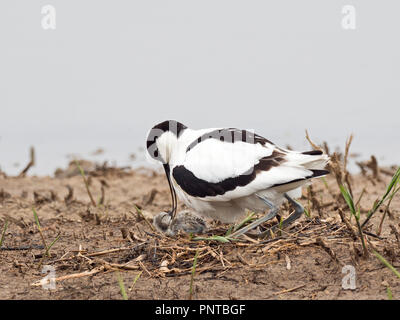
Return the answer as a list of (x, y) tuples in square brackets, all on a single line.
[(156, 153)]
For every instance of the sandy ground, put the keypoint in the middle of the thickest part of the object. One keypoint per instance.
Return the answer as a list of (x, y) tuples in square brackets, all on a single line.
[(303, 262)]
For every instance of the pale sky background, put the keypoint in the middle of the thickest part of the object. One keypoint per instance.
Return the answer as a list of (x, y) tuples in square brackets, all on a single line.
[(113, 69)]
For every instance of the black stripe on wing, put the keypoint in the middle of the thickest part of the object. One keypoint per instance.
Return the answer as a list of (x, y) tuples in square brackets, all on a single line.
[(230, 135), (315, 173), (201, 188), (313, 152)]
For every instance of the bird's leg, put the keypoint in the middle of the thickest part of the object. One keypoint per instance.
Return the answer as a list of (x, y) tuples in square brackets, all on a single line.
[(266, 201), (271, 214), (298, 211)]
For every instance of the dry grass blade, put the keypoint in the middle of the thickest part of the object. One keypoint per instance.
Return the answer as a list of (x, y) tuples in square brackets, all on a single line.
[(30, 164), (99, 253), (73, 276), (70, 196), (328, 249), (396, 233), (360, 197), (3, 234), (140, 213), (289, 290), (103, 195), (347, 223), (315, 146), (346, 153), (35, 215), (86, 183), (373, 165)]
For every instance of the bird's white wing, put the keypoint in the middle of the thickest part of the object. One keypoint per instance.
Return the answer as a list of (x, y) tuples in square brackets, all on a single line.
[(217, 170), (214, 160)]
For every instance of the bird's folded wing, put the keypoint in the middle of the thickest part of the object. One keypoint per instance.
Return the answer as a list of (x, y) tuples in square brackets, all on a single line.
[(219, 171)]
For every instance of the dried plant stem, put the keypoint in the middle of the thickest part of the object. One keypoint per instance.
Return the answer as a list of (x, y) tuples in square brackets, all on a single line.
[(362, 238), (140, 213), (360, 197), (346, 153), (3, 234), (30, 164), (315, 146), (289, 290), (86, 183), (347, 223), (328, 249), (74, 276), (396, 233)]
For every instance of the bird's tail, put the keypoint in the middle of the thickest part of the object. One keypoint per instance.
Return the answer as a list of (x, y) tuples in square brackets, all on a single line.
[(314, 161), (311, 160)]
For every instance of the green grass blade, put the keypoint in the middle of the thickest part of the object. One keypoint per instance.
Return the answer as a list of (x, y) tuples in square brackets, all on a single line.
[(393, 193), (140, 213), (356, 213), (52, 243), (214, 238), (348, 198), (121, 286), (393, 183), (229, 232), (135, 280), (242, 223), (325, 183), (389, 293), (86, 183), (35, 215), (192, 275), (387, 264)]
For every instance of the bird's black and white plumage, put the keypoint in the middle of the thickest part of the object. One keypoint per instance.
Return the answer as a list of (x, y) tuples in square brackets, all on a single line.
[(220, 172)]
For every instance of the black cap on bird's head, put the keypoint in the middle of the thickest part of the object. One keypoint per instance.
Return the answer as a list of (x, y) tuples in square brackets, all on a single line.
[(159, 150), (168, 126)]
